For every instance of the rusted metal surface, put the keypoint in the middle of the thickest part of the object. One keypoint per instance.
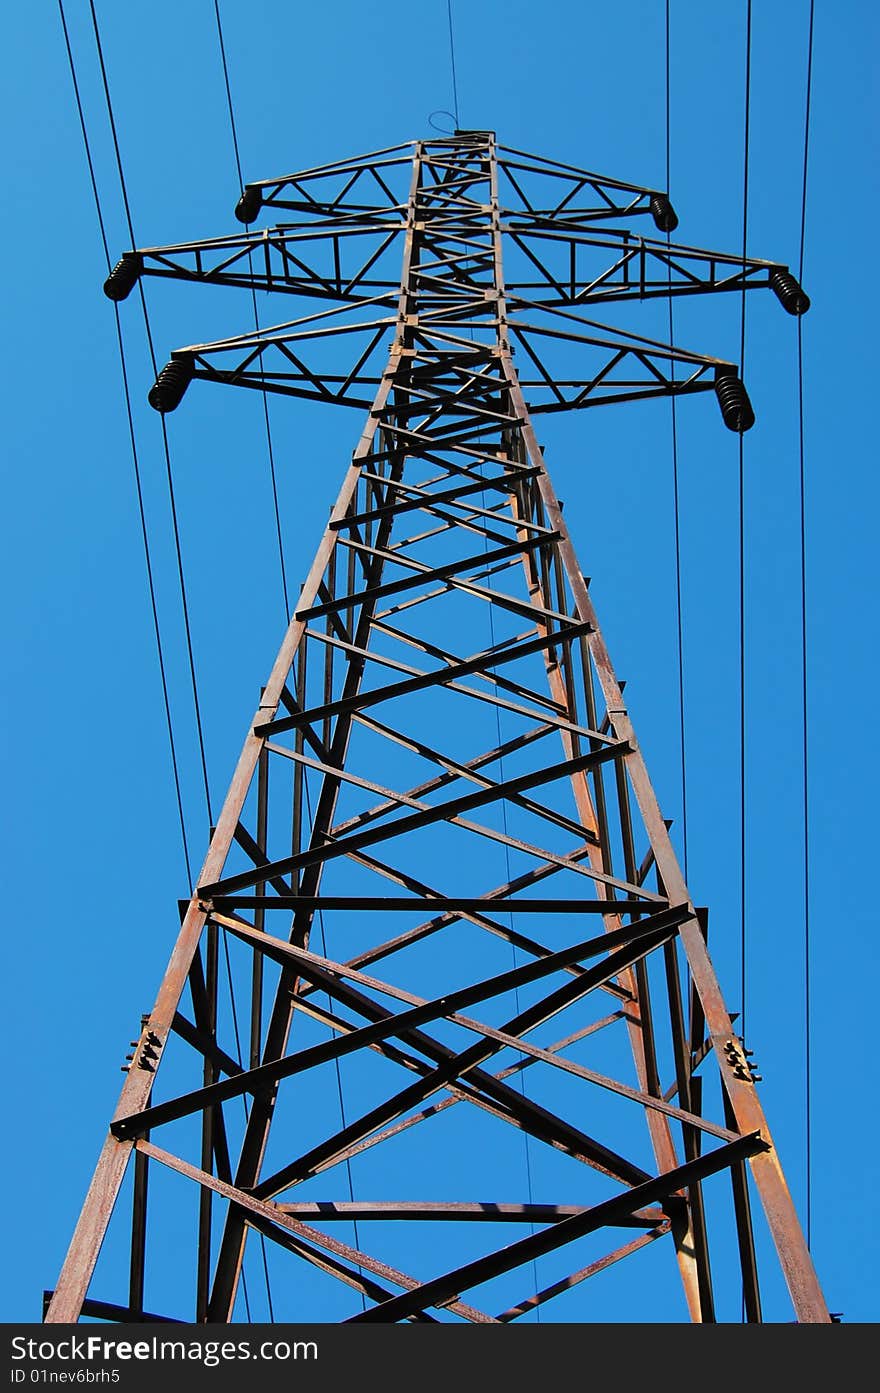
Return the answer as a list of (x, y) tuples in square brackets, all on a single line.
[(445, 597)]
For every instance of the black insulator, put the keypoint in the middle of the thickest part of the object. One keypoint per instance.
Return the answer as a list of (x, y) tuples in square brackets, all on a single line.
[(250, 203), (169, 387), (788, 291), (122, 279), (663, 212), (733, 400)]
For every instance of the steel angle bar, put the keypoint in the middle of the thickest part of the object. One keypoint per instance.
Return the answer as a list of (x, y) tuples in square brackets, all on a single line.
[(585, 397), (529, 1303), (465, 1091), (453, 770), (267, 261), (640, 934), (432, 1210), (325, 1262), (543, 164), (536, 1245), (681, 269), (458, 905), (617, 354), (424, 646), (480, 918), (322, 324), (281, 950), (413, 497), (272, 1214), (459, 1092), (569, 861), (370, 158), (417, 820), (610, 338), (501, 599), (467, 521), (393, 800), (603, 1157), (258, 855), (441, 677), (110, 1311), (497, 682), (425, 574), (425, 447), (205, 1044)]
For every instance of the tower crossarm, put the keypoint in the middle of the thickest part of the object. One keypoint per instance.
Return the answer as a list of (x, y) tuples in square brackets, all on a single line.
[(332, 259), (568, 266), (344, 259), (601, 368)]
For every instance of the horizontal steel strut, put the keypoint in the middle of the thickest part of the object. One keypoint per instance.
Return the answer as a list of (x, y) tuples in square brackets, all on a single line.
[(376, 780)]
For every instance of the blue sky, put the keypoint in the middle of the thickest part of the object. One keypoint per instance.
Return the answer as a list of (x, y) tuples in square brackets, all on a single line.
[(91, 842)]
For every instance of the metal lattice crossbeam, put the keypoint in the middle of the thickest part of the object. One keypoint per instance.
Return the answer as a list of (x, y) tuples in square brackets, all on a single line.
[(442, 779)]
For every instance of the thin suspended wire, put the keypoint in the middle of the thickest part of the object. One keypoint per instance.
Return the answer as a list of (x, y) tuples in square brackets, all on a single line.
[(742, 598), (228, 92), (187, 629), (452, 64), (808, 1043), (160, 652), (82, 126), (676, 485), (168, 468), (265, 396), (742, 567)]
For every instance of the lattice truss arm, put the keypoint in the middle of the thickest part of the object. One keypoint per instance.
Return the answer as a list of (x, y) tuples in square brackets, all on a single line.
[(347, 251), (342, 258), (441, 869)]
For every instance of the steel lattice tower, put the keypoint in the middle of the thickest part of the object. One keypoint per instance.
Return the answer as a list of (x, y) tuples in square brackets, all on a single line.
[(569, 1002)]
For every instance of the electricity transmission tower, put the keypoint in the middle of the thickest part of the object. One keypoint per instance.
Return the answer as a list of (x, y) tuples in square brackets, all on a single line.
[(441, 952)]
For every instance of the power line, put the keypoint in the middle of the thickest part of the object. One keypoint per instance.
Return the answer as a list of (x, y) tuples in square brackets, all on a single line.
[(676, 483), (271, 451), (742, 595), (808, 1045), (452, 62), (228, 93), (134, 454), (742, 557), (168, 468)]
